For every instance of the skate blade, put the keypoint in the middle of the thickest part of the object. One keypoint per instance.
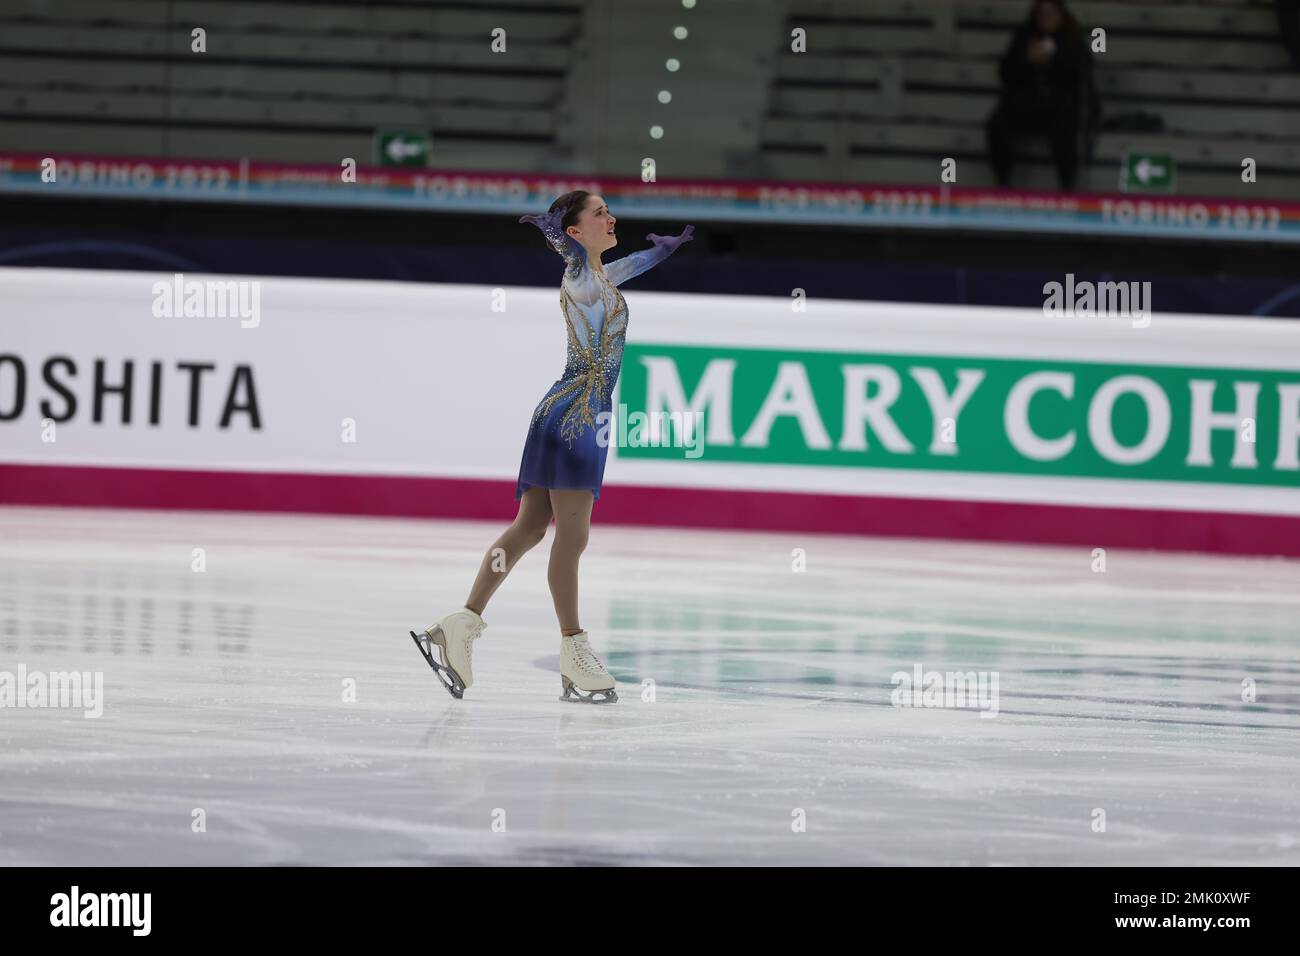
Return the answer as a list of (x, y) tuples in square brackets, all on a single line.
[(574, 695), (446, 676)]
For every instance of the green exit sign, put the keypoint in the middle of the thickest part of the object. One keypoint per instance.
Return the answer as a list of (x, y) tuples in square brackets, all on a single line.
[(1147, 172), (403, 148)]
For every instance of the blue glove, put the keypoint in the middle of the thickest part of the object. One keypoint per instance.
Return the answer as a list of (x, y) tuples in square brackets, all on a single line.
[(672, 242)]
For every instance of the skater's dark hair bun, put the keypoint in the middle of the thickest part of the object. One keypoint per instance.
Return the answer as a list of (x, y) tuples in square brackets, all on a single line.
[(571, 203)]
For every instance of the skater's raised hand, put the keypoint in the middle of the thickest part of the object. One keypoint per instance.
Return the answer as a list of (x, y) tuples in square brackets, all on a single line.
[(574, 255)]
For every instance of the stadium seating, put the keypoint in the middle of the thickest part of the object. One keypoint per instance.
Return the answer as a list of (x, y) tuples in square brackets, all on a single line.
[(884, 91), (909, 80)]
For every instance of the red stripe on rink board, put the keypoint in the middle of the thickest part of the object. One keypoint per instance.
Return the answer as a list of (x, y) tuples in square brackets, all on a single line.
[(391, 495)]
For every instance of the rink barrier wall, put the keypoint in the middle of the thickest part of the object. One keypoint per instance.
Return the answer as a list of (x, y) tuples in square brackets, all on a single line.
[(414, 399)]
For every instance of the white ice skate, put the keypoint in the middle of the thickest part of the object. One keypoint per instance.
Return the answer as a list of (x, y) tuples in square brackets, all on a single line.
[(582, 676), (453, 637)]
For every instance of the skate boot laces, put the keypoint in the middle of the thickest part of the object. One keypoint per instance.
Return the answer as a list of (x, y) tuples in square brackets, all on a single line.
[(474, 631), (586, 658)]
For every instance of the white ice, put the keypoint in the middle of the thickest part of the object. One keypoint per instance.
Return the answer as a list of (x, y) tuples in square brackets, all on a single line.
[(224, 692)]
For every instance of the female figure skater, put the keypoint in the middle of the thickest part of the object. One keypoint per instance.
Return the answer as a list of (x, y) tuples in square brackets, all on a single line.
[(564, 460)]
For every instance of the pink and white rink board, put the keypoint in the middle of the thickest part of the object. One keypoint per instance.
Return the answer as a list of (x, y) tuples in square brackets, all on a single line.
[(413, 399)]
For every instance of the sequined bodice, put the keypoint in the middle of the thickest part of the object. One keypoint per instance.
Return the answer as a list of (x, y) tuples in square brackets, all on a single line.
[(595, 320), (595, 328)]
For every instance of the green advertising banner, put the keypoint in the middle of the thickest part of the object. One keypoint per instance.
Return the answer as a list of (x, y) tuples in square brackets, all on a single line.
[(962, 414)]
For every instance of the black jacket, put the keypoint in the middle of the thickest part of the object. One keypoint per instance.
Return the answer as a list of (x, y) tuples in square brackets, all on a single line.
[(1063, 73)]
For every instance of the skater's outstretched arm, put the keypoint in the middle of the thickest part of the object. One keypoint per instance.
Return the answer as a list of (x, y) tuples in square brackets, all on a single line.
[(629, 267)]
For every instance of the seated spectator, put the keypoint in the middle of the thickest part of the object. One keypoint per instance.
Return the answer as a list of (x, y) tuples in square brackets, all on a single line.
[(1044, 88), (1288, 22)]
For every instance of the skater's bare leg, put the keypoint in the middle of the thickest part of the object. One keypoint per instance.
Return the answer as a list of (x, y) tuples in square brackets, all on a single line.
[(527, 531), (572, 510)]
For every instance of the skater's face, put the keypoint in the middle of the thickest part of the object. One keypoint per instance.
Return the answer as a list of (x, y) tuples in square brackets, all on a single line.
[(595, 227), (1048, 16)]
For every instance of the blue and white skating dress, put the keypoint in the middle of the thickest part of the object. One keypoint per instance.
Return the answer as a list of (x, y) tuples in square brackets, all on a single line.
[(562, 450)]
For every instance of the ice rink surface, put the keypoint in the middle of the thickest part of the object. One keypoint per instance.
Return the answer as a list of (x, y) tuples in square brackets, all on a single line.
[(755, 723)]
